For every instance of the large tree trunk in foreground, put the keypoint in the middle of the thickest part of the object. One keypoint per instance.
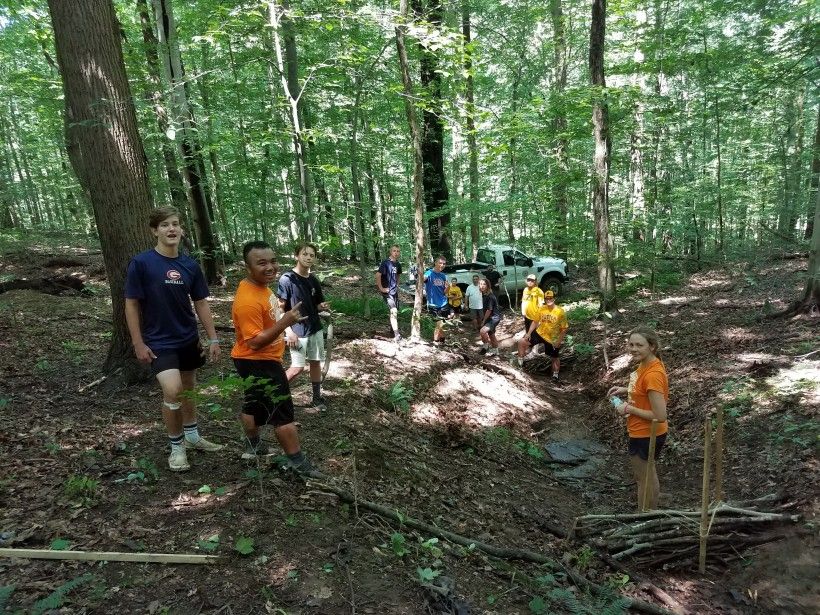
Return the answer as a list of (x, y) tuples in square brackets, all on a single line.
[(600, 179), (104, 147), (472, 142), (561, 143), (418, 166)]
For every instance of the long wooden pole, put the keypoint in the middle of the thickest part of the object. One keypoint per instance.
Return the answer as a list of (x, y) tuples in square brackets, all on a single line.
[(650, 463), (111, 556), (719, 457), (704, 502)]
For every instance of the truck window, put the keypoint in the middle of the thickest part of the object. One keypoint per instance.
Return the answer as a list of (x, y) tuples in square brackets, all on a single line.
[(521, 259), (486, 256), (508, 258)]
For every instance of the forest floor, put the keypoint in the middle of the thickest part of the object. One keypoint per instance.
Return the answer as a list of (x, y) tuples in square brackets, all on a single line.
[(459, 444)]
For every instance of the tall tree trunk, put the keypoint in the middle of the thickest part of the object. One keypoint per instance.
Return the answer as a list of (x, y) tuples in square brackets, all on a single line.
[(472, 143), (281, 28), (436, 195), (104, 147), (513, 204), (193, 167), (719, 177), (793, 161), (418, 164), (600, 179), (153, 94), (815, 177), (561, 144)]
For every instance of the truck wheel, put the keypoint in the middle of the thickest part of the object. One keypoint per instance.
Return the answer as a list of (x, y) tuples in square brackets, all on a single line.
[(551, 282)]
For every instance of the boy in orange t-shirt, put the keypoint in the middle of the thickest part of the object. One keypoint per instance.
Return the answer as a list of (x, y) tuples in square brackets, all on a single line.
[(257, 353)]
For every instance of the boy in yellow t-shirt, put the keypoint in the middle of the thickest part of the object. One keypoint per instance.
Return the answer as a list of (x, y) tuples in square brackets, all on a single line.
[(549, 329), (454, 296), (531, 301)]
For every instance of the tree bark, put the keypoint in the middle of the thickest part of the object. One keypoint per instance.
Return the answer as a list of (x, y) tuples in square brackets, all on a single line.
[(193, 167), (436, 194), (104, 147), (281, 28), (418, 165), (600, 179), (472, 144), (815, 178), (561, 143)]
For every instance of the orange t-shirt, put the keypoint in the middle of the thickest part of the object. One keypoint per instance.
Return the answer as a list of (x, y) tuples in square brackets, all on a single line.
[(641, 381), (255, 308)]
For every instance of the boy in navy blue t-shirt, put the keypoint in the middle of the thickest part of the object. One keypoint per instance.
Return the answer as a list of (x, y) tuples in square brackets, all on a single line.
[(159, 287), (307, 345), (387, 281)]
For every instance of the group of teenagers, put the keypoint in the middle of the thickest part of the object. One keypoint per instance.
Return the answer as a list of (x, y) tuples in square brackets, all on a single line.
[(545, 326), (165, 292), (545, 322)]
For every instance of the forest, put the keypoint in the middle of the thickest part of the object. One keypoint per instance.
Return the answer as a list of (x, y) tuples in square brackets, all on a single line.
[(669, 152)]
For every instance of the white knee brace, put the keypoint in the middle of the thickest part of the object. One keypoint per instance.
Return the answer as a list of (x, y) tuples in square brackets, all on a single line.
[(172, 405)]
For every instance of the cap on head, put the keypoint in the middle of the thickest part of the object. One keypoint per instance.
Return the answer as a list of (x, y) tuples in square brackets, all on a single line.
[(549, 294), (530, 278)]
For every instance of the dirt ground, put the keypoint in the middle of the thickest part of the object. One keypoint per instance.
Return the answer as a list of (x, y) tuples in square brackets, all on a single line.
[(458, 444)]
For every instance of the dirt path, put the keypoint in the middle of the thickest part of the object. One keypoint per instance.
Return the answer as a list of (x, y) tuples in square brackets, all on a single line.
[(465, 453)]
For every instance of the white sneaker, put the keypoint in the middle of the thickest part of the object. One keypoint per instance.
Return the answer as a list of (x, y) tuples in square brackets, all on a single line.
[(519, 361), (203, 445), (178, 460), (492, 352)]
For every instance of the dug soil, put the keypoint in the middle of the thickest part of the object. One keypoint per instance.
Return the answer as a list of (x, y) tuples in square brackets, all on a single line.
[(439, 434)]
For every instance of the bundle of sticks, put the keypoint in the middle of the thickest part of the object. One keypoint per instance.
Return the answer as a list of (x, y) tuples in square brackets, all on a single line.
[(671, 538)]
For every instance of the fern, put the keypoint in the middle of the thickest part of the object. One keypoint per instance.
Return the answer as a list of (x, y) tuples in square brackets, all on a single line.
[(55, 599), (5, 593)]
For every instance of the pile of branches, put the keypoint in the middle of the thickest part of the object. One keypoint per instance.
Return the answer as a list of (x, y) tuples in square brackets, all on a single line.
[(671, 538)]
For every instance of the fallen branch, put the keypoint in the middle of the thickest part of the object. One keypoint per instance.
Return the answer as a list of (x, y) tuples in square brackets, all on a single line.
[(111, 556), (505, 553)]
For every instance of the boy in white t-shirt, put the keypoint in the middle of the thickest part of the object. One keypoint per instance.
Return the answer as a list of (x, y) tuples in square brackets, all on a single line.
[(474, 303)]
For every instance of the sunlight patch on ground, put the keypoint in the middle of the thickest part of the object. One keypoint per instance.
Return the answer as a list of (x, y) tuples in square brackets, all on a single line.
[(713, 279), (341, 368), (479, 399), (802, 377), (738, 333)]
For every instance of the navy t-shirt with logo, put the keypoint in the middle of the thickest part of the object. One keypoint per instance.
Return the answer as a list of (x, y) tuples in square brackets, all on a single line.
[(165, 287), (294, 288), (390, 273)]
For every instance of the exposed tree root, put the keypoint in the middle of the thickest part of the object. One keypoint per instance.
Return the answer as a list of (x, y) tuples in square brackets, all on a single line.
[(51, 285)]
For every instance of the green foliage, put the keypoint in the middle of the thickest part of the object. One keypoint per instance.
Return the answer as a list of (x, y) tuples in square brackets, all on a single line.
[(56, 598), (398, 543), (354, 307), (584, 557), (5, 593), (149, 469), (530, 448), (400, 396), (799, 431), (583, 350), (210, 544), (244, 545), (204, 490), (498, 435), (538, 606), (59, 544), (581, 313), (425, 575), (81, 488)]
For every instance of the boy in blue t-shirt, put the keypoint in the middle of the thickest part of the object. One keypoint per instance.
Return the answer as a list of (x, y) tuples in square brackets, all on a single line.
[(387, 281), (159, 287), (435, 286)]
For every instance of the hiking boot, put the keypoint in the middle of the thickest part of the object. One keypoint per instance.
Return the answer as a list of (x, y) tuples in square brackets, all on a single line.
[(203, 445), (320, 405), (178, 460), (492, 352), (555, 380), (304, 469), (255, 452)]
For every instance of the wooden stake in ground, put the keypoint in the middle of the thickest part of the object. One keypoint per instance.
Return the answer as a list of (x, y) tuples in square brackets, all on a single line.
[(111, 556), (704, 502), (650, 463), (719, 457)]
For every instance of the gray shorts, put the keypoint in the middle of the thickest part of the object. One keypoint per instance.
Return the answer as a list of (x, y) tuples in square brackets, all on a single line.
[(476, 315), (310, 348)]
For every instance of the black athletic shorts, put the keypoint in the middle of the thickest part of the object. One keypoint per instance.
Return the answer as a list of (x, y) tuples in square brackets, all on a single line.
[(186, 358), (439, 312), (549, 349), (268, 401), (392, 301), (640, 446)]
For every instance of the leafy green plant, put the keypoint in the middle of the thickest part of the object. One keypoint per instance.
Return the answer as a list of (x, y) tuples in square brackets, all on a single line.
[(399, 544), (399, 395), (55, 599), (291, 520), (204, 490), (81, 488), (149, 469), (43, 366), (498, 435), (59, 544), (584, 351), (244, 545), (538, 606), (584, 557), (425, 575), (71, 346), (5, 593), (328, 568), (430, 547), (581, 313), (210, 544), (4, 401), (531, 448)]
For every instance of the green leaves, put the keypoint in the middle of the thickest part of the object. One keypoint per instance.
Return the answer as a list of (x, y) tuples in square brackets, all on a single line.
[(244, 545), (59, 544), (210, 544), (425, 575)]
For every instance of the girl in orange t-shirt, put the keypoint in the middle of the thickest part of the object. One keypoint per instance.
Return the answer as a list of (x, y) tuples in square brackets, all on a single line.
[(648, 393)]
